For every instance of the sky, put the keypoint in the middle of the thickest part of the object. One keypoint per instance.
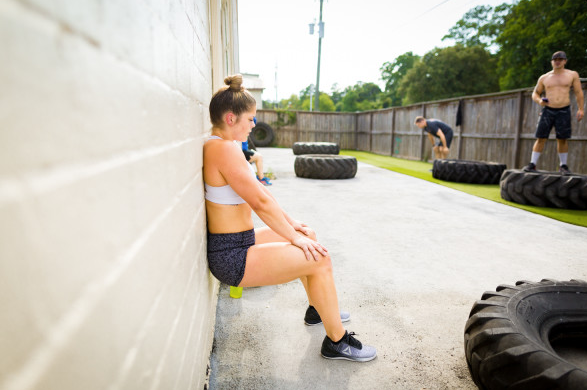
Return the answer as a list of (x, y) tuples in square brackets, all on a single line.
[(359, 37)]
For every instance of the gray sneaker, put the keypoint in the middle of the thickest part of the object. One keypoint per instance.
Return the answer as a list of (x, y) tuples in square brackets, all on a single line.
[(348, 348), (313, 318)]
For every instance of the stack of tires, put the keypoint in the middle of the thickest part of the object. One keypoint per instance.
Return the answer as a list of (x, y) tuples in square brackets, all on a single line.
[(464, 171), (544, 189), (320, 160)]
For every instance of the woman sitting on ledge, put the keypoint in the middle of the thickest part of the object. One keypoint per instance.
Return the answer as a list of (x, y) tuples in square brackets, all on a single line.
[(240, 255)]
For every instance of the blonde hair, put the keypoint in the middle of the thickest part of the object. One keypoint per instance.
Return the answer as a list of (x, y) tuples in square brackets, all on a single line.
[(233, 97), (419, 119)]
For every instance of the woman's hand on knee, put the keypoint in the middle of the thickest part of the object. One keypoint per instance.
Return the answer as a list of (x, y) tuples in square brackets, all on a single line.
[(304, 229), (312, 249)]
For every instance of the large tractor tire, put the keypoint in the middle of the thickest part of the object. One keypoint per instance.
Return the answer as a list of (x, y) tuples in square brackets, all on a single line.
[(315, 148), (262, 134), (544, 189), (325, 166), (464, 171), (512, 334)]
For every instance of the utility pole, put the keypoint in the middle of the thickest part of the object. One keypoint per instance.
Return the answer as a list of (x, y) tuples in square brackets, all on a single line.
[(320, 35), (276, 101)]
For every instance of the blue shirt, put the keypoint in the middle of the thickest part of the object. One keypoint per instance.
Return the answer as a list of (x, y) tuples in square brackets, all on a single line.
[(432, 126)]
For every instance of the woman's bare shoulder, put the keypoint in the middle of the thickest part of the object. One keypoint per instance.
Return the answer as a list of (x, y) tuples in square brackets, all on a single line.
[(221, 153), (218, 147)]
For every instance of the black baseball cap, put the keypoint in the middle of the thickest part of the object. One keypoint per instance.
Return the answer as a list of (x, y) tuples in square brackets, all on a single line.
[(559, 54)]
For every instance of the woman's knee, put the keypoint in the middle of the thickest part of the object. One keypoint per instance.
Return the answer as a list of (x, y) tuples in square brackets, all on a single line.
[(323, 264), (311, 233)]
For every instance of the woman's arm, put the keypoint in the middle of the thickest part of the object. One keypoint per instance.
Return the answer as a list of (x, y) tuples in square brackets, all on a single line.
[(297, 225), (233, 167)]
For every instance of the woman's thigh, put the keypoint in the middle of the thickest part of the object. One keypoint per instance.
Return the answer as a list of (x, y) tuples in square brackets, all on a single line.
[(265, 235), (279, 262)]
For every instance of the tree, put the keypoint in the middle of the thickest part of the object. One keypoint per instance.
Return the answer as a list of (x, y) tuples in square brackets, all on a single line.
[(308, 92), (326, 103), (336, 94), (533, 31), (392, 73), (450, 72), (480, 26), (293, 103), (360, 97)]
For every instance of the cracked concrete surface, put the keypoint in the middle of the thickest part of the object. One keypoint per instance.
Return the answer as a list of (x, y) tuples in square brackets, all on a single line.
[(410, 259)]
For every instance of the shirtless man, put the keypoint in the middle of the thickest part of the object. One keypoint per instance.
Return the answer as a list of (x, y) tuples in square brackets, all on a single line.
[(556, 110)]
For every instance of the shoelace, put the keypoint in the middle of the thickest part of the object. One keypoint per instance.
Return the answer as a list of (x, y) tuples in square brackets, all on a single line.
[(353, 342)]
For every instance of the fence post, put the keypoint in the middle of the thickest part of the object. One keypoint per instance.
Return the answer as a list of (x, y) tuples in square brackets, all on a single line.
[(392, 143), (460, 144), (356, 130), (422, 144), (297, 128), (371, 132), (516, 155)]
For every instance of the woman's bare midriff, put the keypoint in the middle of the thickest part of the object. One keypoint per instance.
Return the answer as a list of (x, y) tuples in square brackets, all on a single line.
[(225, 218)]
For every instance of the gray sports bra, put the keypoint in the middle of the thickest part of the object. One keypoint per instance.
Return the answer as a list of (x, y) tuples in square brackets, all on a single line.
[(224, 194)]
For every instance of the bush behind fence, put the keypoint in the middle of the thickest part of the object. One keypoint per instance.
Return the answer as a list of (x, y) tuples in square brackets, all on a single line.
[(495, 127)]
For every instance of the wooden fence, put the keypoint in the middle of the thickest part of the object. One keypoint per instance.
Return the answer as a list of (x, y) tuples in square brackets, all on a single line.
[(494, 127)]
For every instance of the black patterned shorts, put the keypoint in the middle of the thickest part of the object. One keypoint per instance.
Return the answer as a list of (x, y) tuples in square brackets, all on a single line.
[(560, 118), (227, 255)]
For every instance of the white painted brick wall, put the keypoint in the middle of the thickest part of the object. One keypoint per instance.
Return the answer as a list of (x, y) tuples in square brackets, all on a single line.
[(103, 112)]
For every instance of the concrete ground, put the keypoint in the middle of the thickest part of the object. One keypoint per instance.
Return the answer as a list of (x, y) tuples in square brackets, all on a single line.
[(410, 259)]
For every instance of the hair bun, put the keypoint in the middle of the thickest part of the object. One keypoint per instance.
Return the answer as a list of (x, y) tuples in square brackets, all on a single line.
[(235, 82)]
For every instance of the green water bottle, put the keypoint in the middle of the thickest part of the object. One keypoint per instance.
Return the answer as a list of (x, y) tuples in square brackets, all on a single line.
[(236, 292)]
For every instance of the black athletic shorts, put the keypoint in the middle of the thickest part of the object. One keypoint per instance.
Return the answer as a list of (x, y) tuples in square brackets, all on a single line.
[(248, 154), (560, 118), (448, 138), (227, 255)]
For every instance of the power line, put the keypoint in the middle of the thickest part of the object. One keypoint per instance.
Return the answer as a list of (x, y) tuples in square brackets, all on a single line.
[(423, 13), (436, 6)]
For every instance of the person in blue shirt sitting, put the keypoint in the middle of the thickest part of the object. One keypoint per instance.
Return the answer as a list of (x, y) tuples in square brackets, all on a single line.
[(255, 157)]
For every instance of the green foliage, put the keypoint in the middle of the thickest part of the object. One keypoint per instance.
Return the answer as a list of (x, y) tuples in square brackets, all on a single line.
[(360, 97), (480, 26), (268, 105), (293, 103), (308, 92), (449, 72), (285, 117), (392, 73), (336, 95), (326, 103), (533, 31), (505, 47)]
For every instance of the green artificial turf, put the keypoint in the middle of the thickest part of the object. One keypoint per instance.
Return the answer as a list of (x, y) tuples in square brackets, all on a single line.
[(421, 170)]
